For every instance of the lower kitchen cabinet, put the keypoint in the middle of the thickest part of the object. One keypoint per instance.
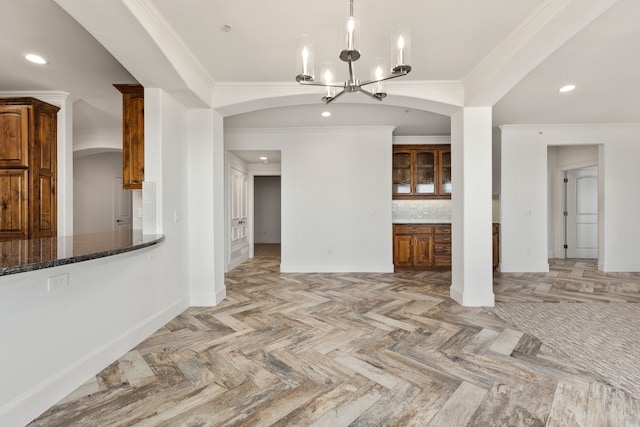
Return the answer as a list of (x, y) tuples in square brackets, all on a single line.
[(428, 247), (412, 246), (442, 238)]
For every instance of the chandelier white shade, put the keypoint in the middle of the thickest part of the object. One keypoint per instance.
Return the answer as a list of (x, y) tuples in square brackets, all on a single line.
[(380, 72)]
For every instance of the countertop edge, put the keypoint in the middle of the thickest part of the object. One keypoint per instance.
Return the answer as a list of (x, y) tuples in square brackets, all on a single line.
[(5, 271)]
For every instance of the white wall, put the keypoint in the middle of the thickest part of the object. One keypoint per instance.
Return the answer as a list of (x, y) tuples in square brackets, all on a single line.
[(524, 245), (93, 186), (336, 195), (266, 209), (54, 341)]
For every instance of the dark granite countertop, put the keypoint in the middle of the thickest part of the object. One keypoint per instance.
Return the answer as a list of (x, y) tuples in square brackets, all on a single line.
[(19, 256)]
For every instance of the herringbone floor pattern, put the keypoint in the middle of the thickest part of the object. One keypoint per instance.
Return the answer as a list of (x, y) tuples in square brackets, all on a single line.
[(360, 350)]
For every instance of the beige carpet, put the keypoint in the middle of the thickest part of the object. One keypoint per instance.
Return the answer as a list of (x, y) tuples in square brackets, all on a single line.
[(603, 338)]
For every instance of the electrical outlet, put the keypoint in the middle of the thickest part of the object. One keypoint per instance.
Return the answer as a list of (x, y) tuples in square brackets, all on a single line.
[(55, 283)]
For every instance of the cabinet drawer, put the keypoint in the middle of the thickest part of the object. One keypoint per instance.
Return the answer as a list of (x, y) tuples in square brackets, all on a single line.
[(443, 249), (442, 238), (443, 228), (412, 229), (443, 260)]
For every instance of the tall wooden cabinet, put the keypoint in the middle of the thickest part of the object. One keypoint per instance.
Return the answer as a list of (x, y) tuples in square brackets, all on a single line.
[(421, 172), (28, 158), (132, 135)]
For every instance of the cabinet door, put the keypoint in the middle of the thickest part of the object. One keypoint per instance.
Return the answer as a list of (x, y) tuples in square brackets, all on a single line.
[(425, 173), (402, 251), (444, 169), (42, 194), (14, 215), (132, 135), (402, 172), (14, 136), (423, 256)]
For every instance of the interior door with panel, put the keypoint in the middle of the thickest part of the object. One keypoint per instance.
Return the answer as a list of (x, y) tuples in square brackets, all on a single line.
[(582, 213), (239, 233)]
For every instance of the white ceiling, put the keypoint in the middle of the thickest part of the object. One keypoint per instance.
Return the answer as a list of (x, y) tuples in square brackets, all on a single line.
[(449, 40), (78, 64)]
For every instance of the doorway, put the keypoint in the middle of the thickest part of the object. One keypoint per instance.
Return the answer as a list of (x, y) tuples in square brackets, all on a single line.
[(581, 213), (122, 207), (267, 215)]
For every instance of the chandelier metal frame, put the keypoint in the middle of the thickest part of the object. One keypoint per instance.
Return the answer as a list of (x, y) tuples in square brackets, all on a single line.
[(352, 84)]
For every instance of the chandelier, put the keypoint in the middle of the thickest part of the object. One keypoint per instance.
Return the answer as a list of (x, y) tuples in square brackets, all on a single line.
[(331, 90)]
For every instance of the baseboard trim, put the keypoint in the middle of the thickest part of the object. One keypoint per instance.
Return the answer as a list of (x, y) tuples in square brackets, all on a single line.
[(209, 299), (611, 267), (29, 405), (236, 262), (335, 268), (469, 299), (524, 268)]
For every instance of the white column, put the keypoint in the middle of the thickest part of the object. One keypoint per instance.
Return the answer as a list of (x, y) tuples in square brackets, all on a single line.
[(471, 152), (206, 208), (152, 221)]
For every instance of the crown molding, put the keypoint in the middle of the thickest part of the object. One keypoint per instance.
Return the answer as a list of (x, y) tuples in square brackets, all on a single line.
[(192, 72)]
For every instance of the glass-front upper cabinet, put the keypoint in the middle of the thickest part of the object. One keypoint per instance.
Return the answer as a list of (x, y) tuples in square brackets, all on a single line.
[(421, 172), (425, 172), (445, 172), (402, 172)]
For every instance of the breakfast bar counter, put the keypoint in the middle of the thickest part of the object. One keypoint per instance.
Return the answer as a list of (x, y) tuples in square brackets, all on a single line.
[(19, 256)]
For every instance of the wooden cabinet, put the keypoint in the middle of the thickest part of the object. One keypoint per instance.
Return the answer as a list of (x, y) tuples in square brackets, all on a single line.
[(413, 246), (428, 247), (421, 172), (442, 238), (132, 135), (496, 245), (28, 172)]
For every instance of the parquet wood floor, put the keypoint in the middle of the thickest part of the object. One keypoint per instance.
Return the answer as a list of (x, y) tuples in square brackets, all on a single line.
[(360, 350)]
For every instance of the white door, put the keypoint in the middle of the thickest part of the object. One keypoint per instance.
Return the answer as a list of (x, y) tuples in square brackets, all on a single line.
[(238, 208), (582, 213), (121, 206)]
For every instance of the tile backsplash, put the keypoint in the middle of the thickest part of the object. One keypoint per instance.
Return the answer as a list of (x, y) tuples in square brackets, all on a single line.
[(431, 210), (428, 210)]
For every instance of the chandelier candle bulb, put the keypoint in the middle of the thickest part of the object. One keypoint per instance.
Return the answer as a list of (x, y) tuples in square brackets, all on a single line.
[(350, 29), (400, 45), (400, 50), (327, 78), (378, 71), (305, 61), (305, 58)]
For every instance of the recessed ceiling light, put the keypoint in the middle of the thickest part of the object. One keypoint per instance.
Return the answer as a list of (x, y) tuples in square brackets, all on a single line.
[(326, 114), (263, 158), (36, 59), (567, 88)]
